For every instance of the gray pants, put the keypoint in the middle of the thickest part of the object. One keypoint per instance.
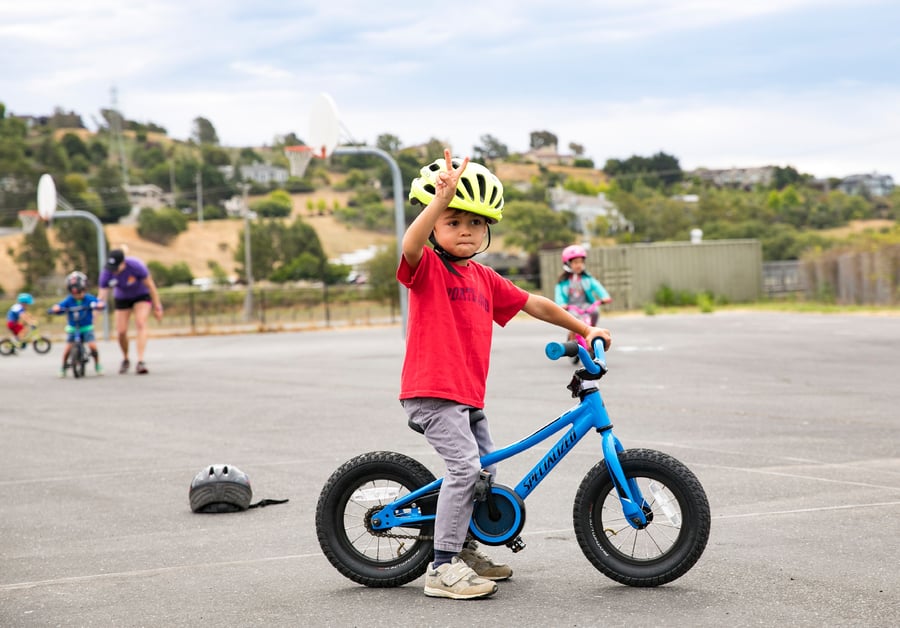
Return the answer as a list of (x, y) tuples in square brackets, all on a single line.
[(447, 429)]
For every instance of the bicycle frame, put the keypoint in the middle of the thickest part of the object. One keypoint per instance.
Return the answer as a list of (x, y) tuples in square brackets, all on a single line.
[(590, 413)]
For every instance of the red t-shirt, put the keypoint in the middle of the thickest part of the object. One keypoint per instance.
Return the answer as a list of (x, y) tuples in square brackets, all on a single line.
[(448, 336)]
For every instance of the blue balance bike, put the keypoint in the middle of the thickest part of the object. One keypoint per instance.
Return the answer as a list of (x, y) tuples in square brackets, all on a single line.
[(79, 356), (641, 517)]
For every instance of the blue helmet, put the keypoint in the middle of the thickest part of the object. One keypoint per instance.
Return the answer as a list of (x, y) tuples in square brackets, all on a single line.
[(25, 298)]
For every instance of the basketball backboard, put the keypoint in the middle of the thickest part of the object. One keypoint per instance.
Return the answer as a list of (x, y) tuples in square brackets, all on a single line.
[(46, 197), (324, 126)]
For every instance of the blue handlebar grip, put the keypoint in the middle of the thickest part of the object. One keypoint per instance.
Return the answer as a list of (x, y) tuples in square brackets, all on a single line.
[(599, 352), (555, 350)]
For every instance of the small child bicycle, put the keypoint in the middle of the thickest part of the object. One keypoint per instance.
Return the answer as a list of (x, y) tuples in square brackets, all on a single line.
[(79, 356), (641, 517), (40, 343)]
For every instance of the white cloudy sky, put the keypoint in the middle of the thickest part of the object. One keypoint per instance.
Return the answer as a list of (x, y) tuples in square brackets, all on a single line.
[(718, 83)]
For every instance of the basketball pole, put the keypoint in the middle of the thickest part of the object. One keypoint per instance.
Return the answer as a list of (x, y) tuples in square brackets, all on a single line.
[(399, 215)]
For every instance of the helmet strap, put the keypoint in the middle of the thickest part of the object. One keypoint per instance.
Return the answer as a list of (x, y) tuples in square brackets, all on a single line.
[(447, 257)]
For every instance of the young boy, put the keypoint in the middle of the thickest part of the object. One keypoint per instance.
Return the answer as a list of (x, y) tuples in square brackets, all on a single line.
[(18, 316), (76, 283), (453, 304)]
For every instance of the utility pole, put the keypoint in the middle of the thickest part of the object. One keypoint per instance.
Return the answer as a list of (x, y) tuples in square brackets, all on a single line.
[(199, 179), (115, 123), (172, 181), (248, 257)]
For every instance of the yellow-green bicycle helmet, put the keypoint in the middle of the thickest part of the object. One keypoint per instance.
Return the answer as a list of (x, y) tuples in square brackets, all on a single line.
[(479, 191)]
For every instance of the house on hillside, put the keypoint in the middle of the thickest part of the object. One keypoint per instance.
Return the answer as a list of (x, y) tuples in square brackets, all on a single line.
[(588, 209), (548, 156), (262, 173), (873, 184), (744, 178), (148, 196)]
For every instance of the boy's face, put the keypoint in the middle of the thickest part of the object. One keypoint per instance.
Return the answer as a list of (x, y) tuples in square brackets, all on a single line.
[(78, 294), (460, 233)]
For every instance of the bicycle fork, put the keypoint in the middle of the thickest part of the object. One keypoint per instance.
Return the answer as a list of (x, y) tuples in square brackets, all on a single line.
[(634, 507)]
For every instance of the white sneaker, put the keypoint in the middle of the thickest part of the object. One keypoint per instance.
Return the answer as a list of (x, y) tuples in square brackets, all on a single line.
[(457, 581)]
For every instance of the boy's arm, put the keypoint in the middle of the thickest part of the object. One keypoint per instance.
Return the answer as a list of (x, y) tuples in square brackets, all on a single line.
[(417, 233), (544, 309)]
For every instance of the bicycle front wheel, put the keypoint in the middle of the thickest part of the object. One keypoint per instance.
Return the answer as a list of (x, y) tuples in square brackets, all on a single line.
[(678, 520), (360, 487), (76, 359), (41, 344), (7, 347)]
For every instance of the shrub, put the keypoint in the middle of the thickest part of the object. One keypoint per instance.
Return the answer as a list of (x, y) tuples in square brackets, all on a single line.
[(161, 225)]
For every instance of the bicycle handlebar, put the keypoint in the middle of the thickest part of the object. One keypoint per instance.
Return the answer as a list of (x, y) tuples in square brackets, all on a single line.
[(595, 366), (590, 309), (76, 308)]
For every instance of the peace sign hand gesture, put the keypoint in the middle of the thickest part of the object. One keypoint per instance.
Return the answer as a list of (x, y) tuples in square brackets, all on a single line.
[(445, 186)]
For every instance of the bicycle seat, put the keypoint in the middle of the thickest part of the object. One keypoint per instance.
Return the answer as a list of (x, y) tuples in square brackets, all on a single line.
[(475, 415)]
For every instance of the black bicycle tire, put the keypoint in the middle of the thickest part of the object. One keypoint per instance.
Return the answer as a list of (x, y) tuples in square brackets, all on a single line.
[(693, 532), (76, 359), (41, 344), (330, 524), (7, 347)]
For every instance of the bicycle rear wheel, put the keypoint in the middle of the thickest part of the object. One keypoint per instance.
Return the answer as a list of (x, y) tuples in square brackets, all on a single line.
[(76, 359), (7, 347), (358, 488), (678, 520)]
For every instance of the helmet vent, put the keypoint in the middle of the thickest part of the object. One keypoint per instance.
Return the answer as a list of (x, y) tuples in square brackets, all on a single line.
[(493, 197), (429, 188), (482, 185), (468, 185)]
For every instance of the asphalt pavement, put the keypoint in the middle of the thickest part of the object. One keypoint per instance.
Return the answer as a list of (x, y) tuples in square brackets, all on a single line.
[(790, 421)]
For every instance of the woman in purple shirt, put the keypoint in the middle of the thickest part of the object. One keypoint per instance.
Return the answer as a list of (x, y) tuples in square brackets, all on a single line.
[(134, 291)]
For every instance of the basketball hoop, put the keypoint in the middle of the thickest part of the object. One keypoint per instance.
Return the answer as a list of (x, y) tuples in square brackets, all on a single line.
[(29, 219), (299, 158)]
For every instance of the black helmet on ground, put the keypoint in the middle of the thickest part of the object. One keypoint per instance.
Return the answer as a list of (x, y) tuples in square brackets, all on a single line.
[(220, 488)]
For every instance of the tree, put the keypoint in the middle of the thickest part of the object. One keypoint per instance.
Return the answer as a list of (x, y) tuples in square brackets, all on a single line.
[(657, 171), (490, 149), (577, 149), (275, 246), (277, 204), (535, 227), (78, 245), (36, 259), (381, 271), (108, 185), (542, 139), (18, 173), (388, 143), (74, 145), (161, 225), (203, 131)]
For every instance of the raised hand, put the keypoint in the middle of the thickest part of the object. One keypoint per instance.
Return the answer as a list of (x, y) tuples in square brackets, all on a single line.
[(445, 186)]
